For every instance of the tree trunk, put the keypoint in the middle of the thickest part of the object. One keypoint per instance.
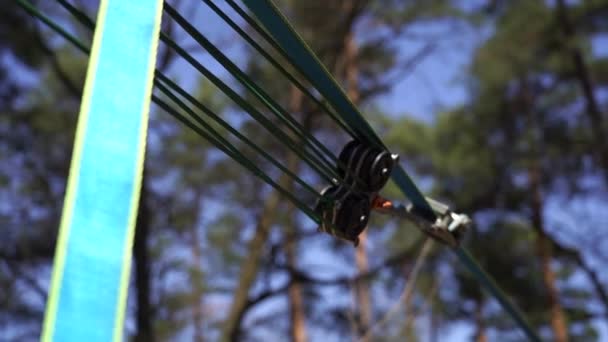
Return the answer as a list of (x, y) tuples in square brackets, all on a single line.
[(351, 74), (296, 301), (361, 286), (144, 316), (197, 283), (595, 280), (480, 328), (249, 268), (586, 83), (434, 324), (408, 295), (143, 280), (543, 245)]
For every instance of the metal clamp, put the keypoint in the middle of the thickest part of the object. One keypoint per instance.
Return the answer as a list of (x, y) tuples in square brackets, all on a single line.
[(448, 228)]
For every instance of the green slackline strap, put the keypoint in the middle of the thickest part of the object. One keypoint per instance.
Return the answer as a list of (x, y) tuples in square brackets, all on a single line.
[(91, 270), (490, 285)]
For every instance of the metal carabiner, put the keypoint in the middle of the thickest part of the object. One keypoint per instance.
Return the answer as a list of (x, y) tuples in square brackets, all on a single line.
[(448, 228)]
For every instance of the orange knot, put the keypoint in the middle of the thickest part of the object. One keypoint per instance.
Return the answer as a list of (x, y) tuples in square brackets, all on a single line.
[(381, 203)]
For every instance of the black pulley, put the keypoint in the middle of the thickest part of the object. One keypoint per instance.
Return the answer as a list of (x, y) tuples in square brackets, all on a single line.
[(348, 161), (344, 214), (380, 171), (366, 168), (345, 208)]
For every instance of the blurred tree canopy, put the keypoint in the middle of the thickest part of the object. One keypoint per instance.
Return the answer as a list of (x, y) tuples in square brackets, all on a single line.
[(221, 256)]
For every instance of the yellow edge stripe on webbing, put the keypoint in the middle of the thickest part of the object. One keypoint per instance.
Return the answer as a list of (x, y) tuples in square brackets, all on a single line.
[(68, 206), (143, 129)]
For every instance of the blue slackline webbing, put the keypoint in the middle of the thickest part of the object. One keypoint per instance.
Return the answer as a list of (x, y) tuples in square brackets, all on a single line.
[(87, 298)]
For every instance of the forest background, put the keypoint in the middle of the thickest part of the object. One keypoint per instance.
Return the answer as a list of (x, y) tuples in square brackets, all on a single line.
[(496, 107)]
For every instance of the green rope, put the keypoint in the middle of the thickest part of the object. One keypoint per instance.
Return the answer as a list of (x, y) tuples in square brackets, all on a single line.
[(30, 9), (160, 77), (274, 107), (82, 17), (215, 138), (274, 62), (271, 59), (323, 171)]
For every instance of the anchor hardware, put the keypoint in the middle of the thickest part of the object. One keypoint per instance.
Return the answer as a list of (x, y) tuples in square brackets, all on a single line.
[(345, 207), (345, 214), (448, 228)]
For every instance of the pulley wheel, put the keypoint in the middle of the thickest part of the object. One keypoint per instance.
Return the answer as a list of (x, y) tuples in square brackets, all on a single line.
[(353, 215), (380, 171)]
